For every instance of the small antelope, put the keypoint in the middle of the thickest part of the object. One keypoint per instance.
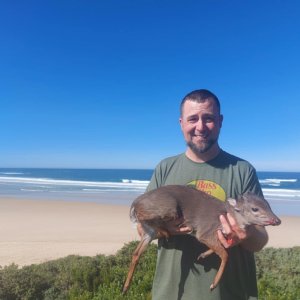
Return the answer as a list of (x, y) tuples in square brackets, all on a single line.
[(200, 211)]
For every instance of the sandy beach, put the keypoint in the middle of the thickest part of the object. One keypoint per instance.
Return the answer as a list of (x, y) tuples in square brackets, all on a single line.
[(35, 231)]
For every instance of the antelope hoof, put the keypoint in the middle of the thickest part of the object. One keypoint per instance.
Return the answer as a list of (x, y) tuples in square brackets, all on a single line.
[(201, 256)]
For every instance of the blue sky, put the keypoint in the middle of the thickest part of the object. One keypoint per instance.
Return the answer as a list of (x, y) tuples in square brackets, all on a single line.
[(97, 84)]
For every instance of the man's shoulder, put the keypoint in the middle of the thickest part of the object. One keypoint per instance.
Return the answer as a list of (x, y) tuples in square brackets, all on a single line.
[(171, 160), (173, 163), (235, 161)]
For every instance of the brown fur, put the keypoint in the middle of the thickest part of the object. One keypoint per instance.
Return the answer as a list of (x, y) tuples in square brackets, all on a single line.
[(155, 210)]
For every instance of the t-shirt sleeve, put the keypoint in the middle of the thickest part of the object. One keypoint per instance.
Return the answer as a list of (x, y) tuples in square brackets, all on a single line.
[(252, 183), (156, 179)]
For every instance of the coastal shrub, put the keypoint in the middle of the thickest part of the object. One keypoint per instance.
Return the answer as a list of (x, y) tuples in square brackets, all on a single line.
[(278, 273), (140, 288), (102, 277), (25, 283), (79, 278)]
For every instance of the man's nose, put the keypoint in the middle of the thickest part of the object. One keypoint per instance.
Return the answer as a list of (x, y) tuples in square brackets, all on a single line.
[(200, 126)]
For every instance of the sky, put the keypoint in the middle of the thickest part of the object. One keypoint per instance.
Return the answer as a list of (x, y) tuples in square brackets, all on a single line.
[(97, 84)]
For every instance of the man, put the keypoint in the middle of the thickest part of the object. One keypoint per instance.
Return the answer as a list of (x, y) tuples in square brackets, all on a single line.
[(204, 165)]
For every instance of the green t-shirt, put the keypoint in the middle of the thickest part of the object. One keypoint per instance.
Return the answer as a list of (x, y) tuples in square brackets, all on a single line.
[(179, 275)]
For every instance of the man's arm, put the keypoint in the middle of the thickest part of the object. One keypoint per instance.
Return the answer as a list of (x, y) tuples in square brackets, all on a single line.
[(257, 238), (254, 238)]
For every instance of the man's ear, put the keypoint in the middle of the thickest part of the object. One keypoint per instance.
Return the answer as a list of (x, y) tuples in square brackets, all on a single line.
[(221, 120), (180, 122)]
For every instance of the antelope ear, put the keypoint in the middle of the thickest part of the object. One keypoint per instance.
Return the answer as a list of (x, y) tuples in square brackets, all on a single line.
[(232, 202)]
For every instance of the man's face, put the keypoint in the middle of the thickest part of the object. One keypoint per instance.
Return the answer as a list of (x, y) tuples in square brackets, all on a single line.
[(201, 124)]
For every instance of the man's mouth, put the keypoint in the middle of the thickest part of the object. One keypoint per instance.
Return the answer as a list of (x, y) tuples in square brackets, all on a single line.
[(200, 137)]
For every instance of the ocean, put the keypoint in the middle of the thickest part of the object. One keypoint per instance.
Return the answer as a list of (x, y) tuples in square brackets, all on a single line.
[(122, 186)]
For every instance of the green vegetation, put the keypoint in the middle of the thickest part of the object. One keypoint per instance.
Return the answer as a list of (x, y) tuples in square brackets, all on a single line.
[(101, 277), (278, 274), (80, 278)]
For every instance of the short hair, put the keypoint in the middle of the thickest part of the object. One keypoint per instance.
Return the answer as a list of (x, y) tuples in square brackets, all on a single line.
[(200, 96)]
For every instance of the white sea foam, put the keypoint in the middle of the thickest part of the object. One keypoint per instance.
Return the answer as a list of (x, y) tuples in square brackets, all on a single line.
[(11, 173), (31, 190), (140, 182), (130, 184), (275, 181), (27, 184), (111, 190), (282, 194)]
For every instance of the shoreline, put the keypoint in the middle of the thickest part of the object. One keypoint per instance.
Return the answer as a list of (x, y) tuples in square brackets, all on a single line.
[(33, 231)]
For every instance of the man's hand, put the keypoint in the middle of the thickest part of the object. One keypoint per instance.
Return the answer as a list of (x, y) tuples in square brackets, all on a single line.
[(175, 227), (253, 239), (231, 234)]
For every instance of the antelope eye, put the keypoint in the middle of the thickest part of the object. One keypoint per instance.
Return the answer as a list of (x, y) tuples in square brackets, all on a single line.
[(255, 209)]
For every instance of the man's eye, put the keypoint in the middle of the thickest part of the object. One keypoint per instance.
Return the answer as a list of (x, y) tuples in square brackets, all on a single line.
[(193, 120), (209, 120)]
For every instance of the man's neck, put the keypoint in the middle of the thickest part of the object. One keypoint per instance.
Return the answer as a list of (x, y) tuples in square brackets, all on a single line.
[(203, 157)]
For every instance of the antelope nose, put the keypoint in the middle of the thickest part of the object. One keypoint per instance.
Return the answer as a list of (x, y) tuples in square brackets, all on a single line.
[(276, 221)]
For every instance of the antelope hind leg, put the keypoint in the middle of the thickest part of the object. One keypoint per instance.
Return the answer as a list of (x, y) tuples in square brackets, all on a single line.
[(139, 250)]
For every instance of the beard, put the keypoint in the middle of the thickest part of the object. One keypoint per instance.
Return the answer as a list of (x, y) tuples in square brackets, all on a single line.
[(202, 147)]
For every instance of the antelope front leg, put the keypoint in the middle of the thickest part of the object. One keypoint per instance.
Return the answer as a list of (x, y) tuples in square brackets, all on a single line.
[(222, 253), (205, 254), (139, 250)]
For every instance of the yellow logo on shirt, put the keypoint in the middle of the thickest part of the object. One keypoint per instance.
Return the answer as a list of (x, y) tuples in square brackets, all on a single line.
[(210, 188)]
